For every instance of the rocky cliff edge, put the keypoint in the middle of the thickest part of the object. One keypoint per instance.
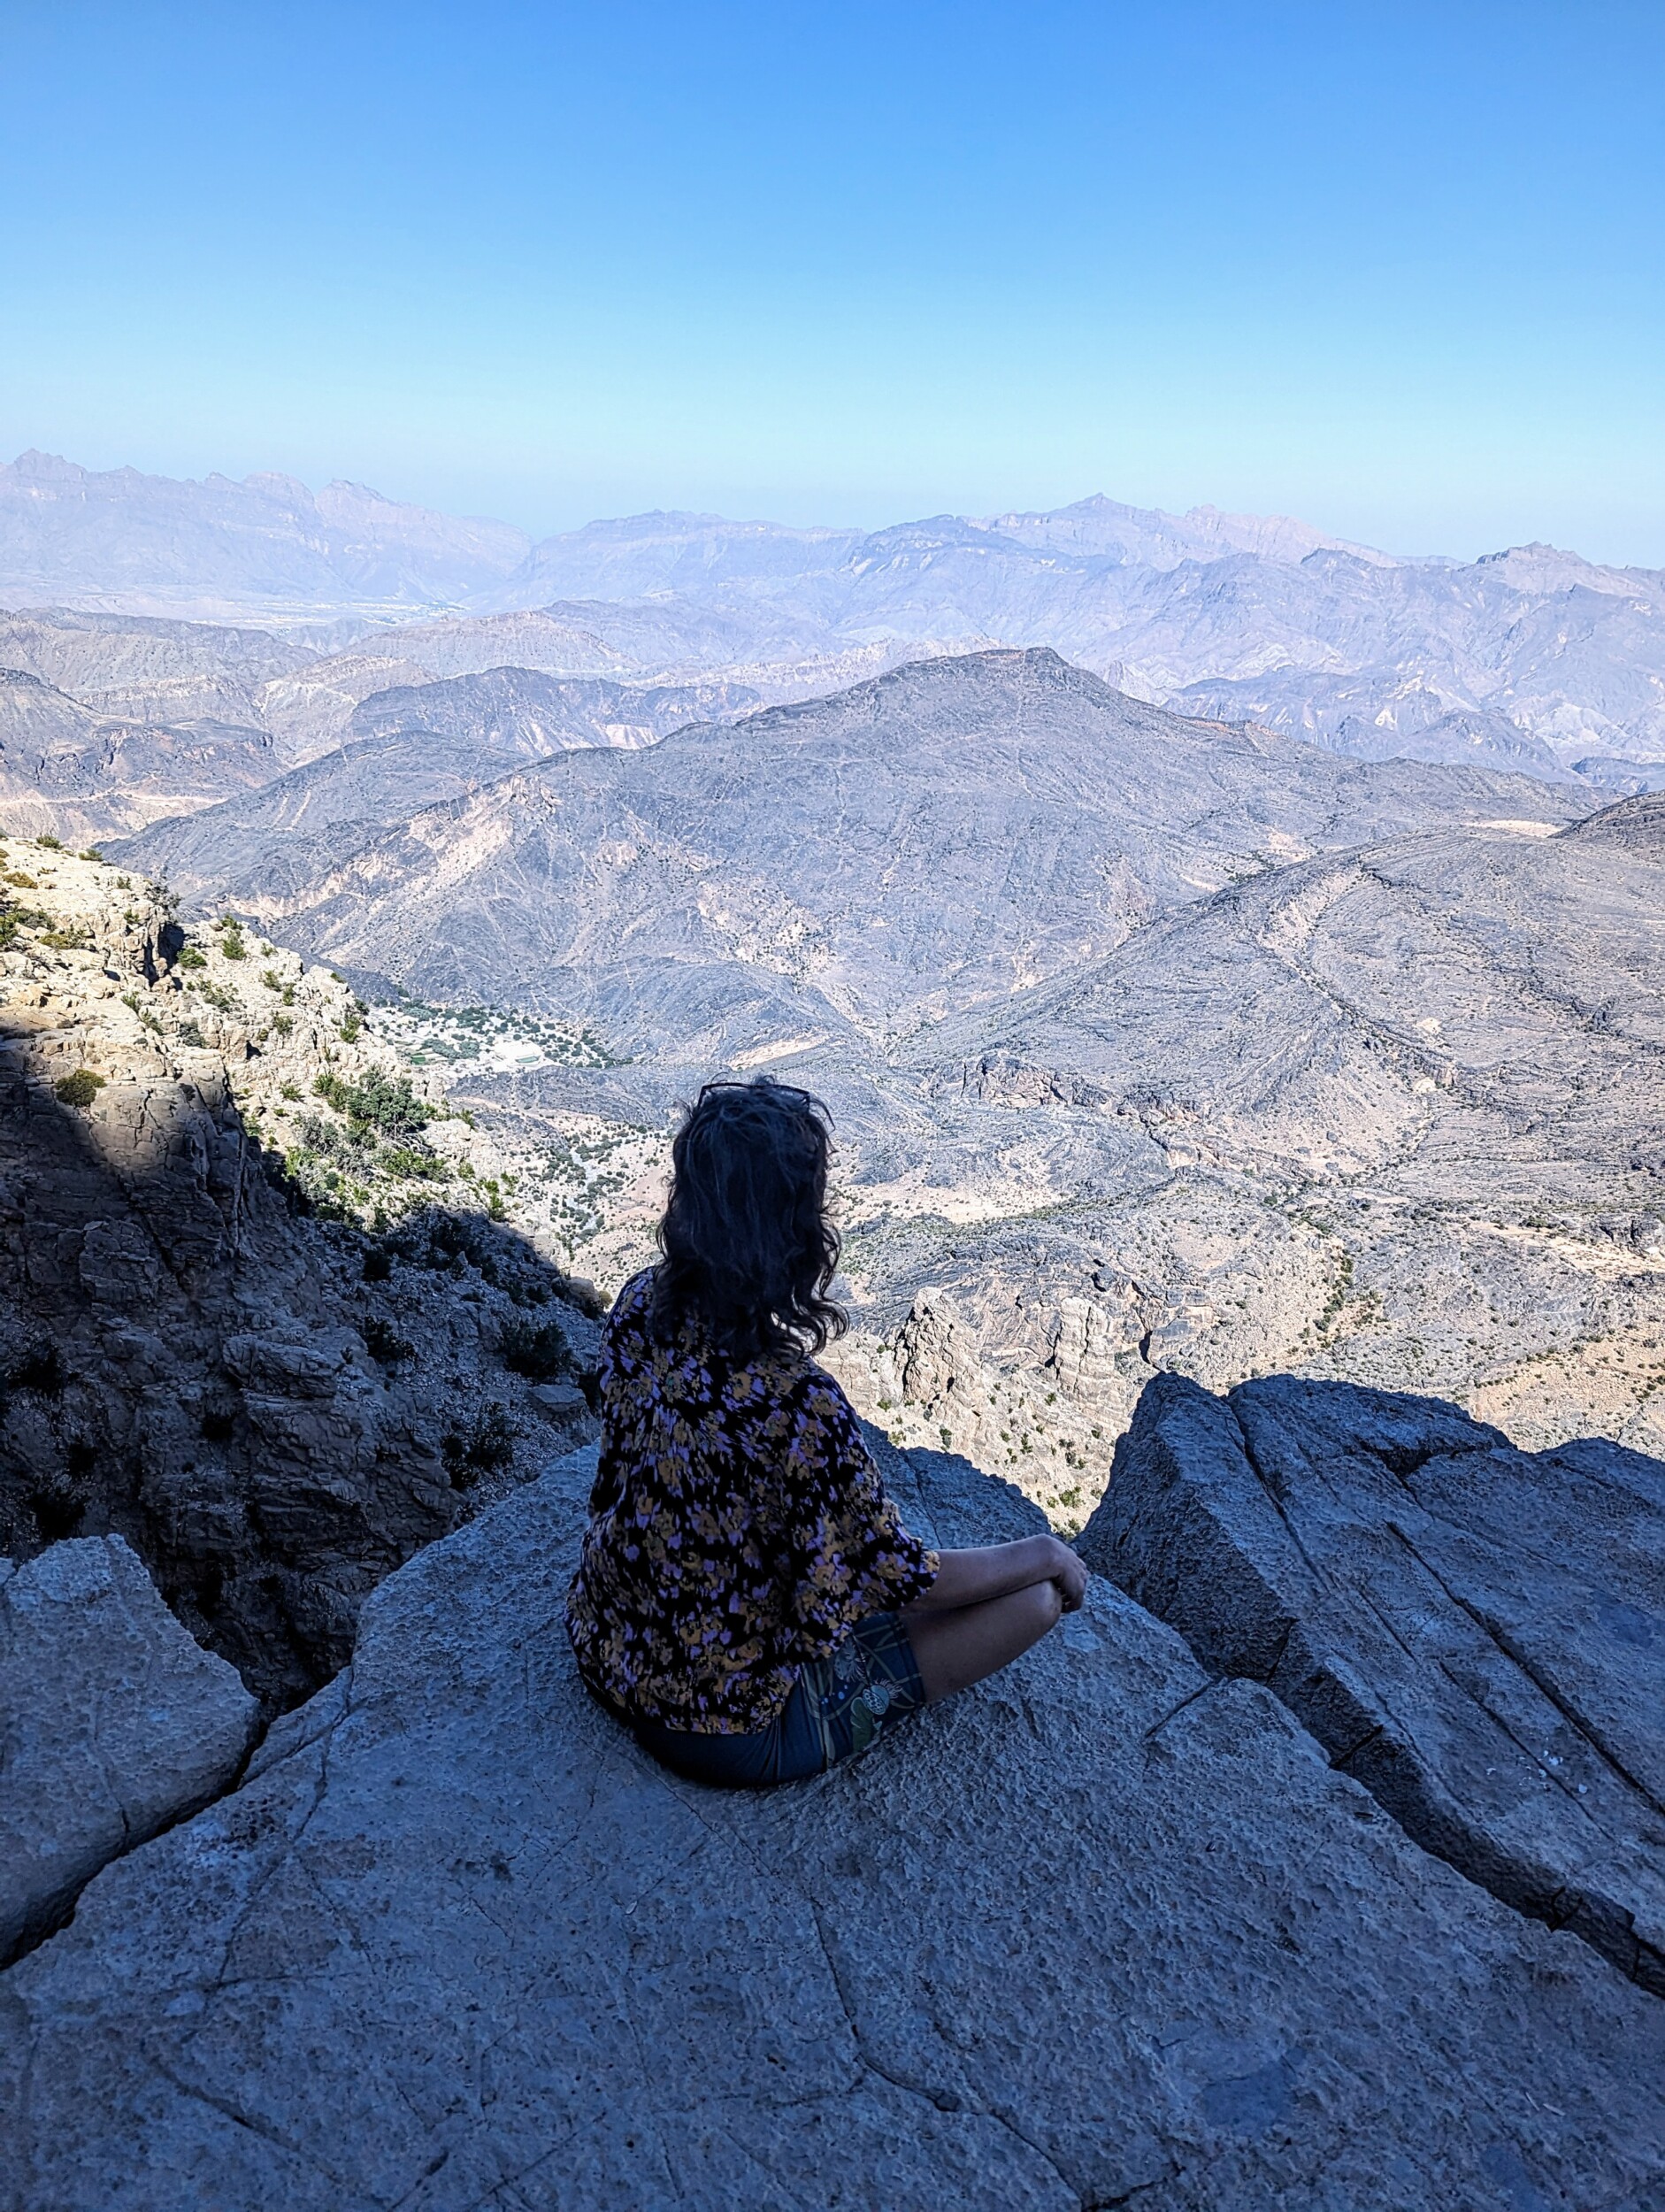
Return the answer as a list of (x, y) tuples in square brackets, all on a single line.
[(1108, 1930)]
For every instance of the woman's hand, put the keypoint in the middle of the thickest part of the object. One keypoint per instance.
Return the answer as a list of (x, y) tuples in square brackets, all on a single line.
[(971, 1577), (1069, 1575)]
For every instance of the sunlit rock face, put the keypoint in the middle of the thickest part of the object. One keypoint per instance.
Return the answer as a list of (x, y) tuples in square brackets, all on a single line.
[(1476, 1634), (455, 1935), (116, 1725)]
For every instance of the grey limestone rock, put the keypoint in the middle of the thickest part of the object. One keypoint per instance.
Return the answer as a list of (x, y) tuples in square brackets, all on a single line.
[(1475, 1633), (272, 1411), (1102, 1931), (112, 1723)]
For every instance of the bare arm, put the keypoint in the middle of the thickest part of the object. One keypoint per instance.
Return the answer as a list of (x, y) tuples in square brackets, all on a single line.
[(970, 1578)]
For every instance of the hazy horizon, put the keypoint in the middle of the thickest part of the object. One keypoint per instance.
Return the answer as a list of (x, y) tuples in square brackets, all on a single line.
[(1398, 277), (830, 523)]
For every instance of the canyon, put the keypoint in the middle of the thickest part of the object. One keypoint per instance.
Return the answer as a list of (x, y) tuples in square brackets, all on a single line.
[(1235, 963)]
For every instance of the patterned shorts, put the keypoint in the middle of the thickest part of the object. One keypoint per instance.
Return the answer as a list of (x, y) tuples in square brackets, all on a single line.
[(841, 1705)]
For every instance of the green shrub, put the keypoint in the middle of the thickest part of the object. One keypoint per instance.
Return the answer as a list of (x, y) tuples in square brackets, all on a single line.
[(190, 1034), (414, 1164), (283, 1024), (79, 1089), (390, 1107), (382, 1344), (352, 1030), (287, 1090), (23, 882), (272, 979), (52, 844), (487, 1442), (231, 946), (540, 1354), (41, 1369), (189, 957), (91, 852), (65, 940)]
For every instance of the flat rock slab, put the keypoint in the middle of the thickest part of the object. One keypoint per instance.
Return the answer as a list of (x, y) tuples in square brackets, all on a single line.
[(1476, 1634), (112, 1723), (1103, 1930)]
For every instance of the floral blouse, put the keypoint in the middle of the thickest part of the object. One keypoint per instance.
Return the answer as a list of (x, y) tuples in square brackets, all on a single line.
[(738, 1528)]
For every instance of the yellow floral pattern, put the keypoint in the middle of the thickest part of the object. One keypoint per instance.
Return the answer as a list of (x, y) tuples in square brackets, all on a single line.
[(738, 1528)]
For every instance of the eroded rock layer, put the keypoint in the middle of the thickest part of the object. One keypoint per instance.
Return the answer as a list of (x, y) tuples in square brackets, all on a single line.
[(1475, 1633)]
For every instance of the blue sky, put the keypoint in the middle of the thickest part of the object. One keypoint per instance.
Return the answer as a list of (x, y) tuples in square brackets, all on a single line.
[(1395, 268)]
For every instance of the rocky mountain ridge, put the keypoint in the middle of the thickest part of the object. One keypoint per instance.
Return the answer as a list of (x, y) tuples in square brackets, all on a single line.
[(263, 1313), (1031, 816), (1531, 657)]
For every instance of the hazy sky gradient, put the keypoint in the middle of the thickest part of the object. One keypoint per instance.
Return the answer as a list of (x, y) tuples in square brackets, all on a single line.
[(1394, 268)]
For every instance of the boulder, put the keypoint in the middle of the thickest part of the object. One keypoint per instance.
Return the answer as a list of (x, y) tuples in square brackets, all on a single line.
[(1476, 1633), (1106, 1929), (112, 1724)]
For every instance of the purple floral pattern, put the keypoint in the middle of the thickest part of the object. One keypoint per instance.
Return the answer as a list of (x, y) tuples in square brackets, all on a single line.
[(738, 1528)]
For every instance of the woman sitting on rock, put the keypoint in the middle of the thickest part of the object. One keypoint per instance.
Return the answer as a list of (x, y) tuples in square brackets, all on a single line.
[(747, 1600)]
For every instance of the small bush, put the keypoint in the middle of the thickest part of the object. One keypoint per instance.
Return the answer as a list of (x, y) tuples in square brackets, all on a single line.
[(91, 852), (288, 1090), (382, 1342), (65, 940), (540, 1354), (351, 1029), (231, 946), (283, 1026), (391, 1108), (189, 957), (415, 1165), (487, 1441), (191, 1035), (40, 1369), (52, 844), (79, 1089), (272, 981), (23, 882)]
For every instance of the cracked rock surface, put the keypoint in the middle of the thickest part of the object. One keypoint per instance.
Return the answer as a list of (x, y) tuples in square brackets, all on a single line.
[(1103, 1931), (1475, 1633), (112, 1724)]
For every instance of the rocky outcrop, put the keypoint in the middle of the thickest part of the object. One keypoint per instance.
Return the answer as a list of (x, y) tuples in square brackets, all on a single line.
[(112, 1724), (1102, 1930), (202, 1350), (1474, 1633)]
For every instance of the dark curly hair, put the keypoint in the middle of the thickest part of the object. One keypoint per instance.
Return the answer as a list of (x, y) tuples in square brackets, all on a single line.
[(749, 1250)]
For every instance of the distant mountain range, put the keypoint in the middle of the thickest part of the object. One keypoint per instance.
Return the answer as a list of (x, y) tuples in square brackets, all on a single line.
[(1151, 1042), (852, 868), (1181, 914), (1530, 659)]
